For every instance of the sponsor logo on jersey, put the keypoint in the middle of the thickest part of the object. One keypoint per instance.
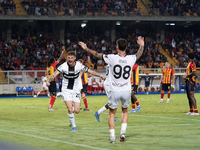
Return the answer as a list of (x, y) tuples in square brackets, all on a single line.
[(123, 61), (119, 84)]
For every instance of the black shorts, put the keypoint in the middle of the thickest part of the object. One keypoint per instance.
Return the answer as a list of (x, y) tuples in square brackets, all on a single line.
[(134, 88), (146, 84), (166, 87), (52, 87), (84, 88), (189, 86)]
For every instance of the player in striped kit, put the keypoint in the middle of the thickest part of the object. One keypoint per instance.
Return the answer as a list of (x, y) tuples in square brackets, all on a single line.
[(50, 71), (72, 86), (167, 73), (190, 85), (84, 81), (135, 84)]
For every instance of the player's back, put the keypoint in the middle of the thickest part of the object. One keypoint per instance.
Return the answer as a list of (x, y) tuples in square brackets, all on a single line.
[(120, 69)]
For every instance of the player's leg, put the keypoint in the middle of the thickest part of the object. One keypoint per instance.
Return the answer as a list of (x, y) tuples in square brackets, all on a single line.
[(194, 103), (189, 99), (124, 124), (133, 100), (40, 92), (85, 101), (53, 96), (60, 88), (111, 123), (192, 98), (147, 89), (71, 115), (162, 93), (168, 92), (48, 94), (125, 101), (100, 111), (190, 104)]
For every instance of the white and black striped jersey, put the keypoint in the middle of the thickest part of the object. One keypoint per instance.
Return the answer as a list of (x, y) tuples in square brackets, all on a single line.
[(71, 76), (120, 69)]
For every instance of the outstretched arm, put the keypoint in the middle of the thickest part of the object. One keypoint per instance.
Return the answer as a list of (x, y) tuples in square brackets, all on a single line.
[(52, 77), (96, 74), (140, 41), (62, 54), (94, 53)]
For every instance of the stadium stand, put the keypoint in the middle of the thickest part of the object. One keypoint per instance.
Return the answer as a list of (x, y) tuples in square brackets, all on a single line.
[(176, 8)]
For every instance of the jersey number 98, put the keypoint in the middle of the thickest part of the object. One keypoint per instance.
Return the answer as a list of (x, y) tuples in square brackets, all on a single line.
[(119, 71)]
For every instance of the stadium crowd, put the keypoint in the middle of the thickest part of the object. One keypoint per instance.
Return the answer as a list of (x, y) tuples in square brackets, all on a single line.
[(8, 6), (78, 7), (180, 44), (176, 7), (31, 50)]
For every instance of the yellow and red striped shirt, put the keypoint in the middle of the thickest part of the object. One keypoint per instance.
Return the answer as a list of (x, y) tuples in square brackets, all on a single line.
[(84, 78), (135, 75), (167, 73), (190, 68), (50, 70)]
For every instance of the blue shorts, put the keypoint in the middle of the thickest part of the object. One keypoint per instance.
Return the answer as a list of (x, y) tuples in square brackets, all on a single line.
[(84, 88), (189, 86), (146, 84)]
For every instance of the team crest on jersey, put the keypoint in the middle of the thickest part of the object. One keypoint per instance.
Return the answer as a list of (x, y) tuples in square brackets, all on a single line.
[(76, 71)]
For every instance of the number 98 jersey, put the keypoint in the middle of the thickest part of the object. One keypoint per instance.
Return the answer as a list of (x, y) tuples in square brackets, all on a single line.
[(120, 69)]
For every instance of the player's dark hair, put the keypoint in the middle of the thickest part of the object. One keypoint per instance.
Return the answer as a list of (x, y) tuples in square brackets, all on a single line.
[(81, 60), (51, 60), (73, 53), (122, 44), (147, 73), (191, 55)]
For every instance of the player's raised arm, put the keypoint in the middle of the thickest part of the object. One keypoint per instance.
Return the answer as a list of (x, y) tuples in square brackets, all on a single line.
[(51, 78), (140, 41), (94, 53), (96, 74), (62, 54)]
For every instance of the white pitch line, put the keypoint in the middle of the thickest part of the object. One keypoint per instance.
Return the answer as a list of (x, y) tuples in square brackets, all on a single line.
[(54, 140)]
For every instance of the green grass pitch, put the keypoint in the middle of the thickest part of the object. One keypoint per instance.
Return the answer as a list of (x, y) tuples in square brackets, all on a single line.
[(158, 126)]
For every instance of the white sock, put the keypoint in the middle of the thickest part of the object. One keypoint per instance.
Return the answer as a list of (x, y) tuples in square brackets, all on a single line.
[(112, 134), (147, 92), (72, 119), (168, 99), (161, 99), (102, 110), (123, 128), (38, 93)]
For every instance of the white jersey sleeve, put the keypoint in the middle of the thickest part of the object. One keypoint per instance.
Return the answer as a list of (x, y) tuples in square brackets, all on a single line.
[(120, 69)]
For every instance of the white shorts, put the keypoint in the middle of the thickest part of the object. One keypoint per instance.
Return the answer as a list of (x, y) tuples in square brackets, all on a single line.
[(69, 96), (115, 97), (45, 87)]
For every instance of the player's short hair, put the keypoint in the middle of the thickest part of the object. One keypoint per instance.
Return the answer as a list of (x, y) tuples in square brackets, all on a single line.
[(51, 60), (72, 53), (147, 73), (122, 44), (191, 55), (81, 60)]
